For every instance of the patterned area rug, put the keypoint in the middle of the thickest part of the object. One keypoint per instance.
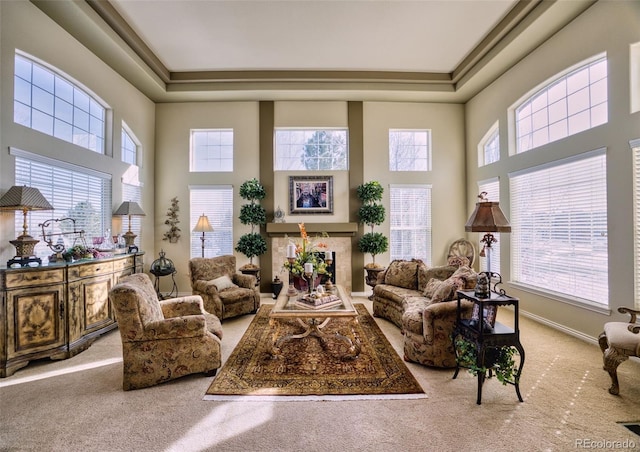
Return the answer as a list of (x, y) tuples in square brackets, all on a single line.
[(305, 370)]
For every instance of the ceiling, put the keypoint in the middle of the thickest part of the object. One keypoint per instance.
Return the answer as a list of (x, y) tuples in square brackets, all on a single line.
[(421, 50)]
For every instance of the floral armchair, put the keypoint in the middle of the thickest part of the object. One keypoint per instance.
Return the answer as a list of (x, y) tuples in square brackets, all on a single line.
[(224, 291), (161, 340)]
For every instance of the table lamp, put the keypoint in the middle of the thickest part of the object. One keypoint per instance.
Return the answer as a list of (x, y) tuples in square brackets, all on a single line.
[(203, 226), (25, 199), (129, 208)]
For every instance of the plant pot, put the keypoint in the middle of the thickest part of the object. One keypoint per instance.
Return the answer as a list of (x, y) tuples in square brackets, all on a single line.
[(302, 284)]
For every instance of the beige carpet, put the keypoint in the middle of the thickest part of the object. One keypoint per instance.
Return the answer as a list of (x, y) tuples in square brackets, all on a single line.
[(307, 369), (78, 405)]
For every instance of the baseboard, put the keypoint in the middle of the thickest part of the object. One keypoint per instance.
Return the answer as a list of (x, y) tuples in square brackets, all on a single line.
[(560, 327)]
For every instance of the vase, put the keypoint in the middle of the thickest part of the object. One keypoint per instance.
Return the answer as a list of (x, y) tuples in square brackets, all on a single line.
[(302, 284)]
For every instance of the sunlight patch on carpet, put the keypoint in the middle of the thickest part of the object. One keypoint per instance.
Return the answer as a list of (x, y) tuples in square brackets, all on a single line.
[(306, 370)]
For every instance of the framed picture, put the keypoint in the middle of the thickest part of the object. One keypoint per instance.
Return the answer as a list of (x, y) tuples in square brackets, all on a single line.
[(310, 194)]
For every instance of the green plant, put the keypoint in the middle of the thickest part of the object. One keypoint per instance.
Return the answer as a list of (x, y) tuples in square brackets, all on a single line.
[(252, 244), (173, 234), (499, 359), (372, 214)]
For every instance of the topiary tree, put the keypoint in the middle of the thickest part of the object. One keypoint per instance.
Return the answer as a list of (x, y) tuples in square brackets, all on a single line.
[(252, 244), (372, 214)]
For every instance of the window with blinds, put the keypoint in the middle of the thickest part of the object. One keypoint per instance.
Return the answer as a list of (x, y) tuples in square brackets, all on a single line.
[(635, 147), (74, 192), (410, 222), (211, 150), (216, 202), (46, 101), (409, 150), (559, 227), (492, 187)]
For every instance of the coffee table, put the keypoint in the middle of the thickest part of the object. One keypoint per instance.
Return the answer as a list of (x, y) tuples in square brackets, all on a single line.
[(313, 320)]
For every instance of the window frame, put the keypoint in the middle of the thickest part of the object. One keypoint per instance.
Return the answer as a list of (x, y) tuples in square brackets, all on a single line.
[(427, 228), (217, 151), (280, 147), (217, 213), (493, 134), (128, 135), (635, 149), (426, 158)]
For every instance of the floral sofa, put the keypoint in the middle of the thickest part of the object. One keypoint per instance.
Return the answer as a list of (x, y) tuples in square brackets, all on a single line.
[(422, 302)]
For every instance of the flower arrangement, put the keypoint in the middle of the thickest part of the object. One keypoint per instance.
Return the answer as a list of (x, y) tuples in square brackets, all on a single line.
[(307, 252)]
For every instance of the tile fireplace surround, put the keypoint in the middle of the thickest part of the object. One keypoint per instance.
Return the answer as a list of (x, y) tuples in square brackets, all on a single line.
[(339, 241)]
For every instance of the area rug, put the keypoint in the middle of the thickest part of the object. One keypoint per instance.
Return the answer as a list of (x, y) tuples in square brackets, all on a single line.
[(304, 370)]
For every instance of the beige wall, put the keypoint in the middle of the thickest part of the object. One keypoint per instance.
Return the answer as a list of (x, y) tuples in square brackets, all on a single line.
[(590, 34), (26, 28)]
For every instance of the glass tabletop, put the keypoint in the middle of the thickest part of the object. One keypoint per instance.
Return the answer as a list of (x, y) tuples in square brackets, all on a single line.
[(286, 306)]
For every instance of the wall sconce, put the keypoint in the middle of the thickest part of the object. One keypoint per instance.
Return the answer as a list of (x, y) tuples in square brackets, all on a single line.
[(203, 226), (25, 199)]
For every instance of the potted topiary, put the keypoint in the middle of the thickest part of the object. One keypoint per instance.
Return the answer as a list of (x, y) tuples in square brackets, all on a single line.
[(371, 213), (252, 244)]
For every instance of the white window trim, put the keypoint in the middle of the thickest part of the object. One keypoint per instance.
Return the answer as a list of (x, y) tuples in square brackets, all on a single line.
[(483, 142), (635, 148)]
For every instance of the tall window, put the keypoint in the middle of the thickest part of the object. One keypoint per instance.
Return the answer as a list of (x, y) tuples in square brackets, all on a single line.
[(129, 147), (635, 147), (311, 150), (74, 192), (559, 227), (47, 102), (211, 150), (216, 202), (569, 104), (492, 187), (410, 220), (409, 150), (489, 147)]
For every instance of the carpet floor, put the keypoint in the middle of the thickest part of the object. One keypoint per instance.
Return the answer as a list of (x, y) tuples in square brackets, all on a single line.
[(308, 369)]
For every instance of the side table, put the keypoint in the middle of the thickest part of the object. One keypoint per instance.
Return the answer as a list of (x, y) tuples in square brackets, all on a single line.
[(484, 337)]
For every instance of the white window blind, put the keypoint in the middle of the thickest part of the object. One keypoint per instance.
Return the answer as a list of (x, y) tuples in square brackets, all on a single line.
[(211, 150), (410, 222), (559, 227), (409, 150), (73, 191), (635, 147), (216, 202), (311, 149), (492, 187)]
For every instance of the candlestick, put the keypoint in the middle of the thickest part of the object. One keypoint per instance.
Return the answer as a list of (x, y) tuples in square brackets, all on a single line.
[(308, 267), (291, 251)]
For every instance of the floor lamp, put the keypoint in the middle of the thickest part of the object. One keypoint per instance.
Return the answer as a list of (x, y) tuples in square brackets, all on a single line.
[(25, 199), (203, 226)]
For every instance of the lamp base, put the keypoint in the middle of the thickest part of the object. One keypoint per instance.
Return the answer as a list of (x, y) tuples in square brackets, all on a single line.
[(129, 238), (25, 245)]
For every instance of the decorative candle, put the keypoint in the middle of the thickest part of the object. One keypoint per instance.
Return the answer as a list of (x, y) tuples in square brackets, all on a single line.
[(328, 255), (308, 267), (291, 250)]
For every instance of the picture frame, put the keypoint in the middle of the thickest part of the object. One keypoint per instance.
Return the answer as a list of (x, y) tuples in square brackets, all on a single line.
[(310, 195)]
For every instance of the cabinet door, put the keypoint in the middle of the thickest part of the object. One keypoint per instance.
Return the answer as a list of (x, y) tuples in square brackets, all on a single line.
[(36, 319), (96, 307)]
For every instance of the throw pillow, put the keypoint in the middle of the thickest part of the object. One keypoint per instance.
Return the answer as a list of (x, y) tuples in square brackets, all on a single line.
[(446, 290), (431, 287), (402, 274), (468, 275), (458, 261), (223, 282)]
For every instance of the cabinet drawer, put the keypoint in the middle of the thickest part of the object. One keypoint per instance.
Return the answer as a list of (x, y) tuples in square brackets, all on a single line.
[(33, 278), (121, 264), (99, 268)]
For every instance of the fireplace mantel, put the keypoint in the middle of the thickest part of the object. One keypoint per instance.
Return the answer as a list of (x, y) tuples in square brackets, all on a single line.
[(333, 229)]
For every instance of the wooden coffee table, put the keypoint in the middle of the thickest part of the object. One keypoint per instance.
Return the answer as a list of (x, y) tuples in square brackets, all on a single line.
[(313, 321)]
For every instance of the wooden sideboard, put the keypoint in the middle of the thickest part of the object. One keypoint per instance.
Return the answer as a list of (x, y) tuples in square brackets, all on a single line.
[(56, 311)]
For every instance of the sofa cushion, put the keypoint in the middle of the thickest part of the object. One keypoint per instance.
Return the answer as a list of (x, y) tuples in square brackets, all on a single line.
[(446, 290), (468, 275), (412, 315), (431, 287), (403, 273), (394, 294)]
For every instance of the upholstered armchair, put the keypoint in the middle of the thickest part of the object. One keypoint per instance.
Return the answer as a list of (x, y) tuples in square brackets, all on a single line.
[(225, 292), (161, 340), (618, 341)]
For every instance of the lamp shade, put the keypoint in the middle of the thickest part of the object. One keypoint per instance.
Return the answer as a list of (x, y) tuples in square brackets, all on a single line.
[(203, 225), (24, 198), (130, 208), (487, 217)]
